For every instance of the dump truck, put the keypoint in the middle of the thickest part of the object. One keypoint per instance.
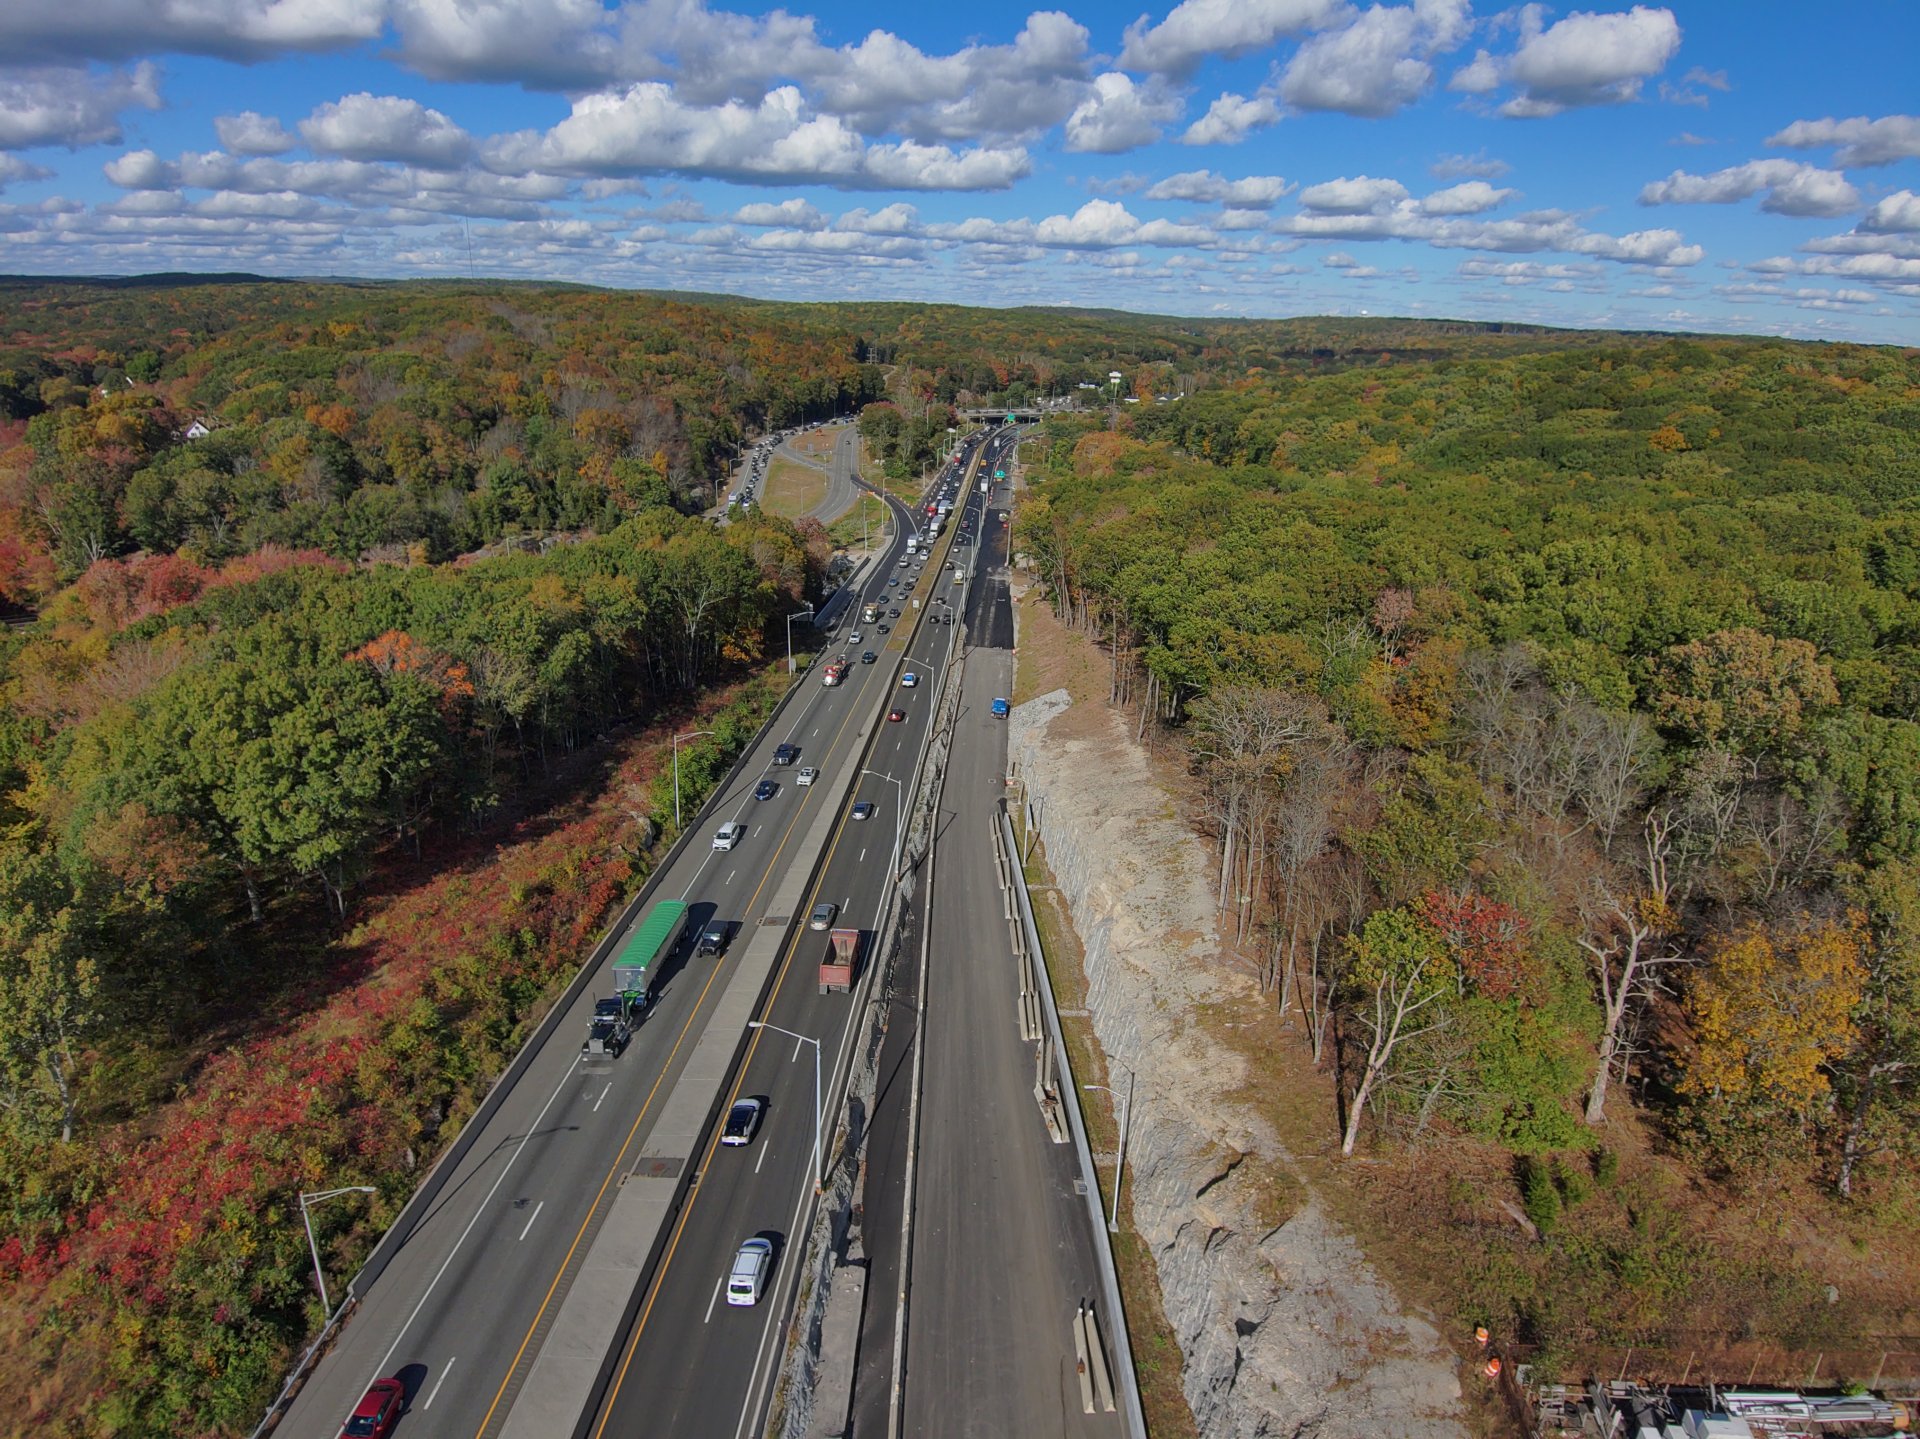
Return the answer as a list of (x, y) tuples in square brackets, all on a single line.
[(647, 949), (840, 962)]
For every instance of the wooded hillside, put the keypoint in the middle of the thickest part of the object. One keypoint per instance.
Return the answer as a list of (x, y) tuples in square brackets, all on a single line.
[(1557, 720)]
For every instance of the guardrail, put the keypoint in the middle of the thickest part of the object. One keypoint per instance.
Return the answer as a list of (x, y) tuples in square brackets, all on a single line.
[(1136, 1419)]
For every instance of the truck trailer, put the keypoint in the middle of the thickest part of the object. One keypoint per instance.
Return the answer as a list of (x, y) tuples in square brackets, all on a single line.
[(638, 964), (840, 962)]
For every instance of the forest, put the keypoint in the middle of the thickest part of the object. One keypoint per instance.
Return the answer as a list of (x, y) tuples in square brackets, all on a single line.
[(1552, 698), (1556, 721)]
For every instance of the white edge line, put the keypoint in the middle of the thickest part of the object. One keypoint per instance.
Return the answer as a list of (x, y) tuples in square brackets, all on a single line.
[(479, 1210)]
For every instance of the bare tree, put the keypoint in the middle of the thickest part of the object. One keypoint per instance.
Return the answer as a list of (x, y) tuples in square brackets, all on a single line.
[(1240, 735), (1303, 826), (1399, 992), (1624, 935)]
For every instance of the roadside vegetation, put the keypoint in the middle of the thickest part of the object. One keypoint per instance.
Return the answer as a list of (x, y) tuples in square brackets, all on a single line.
[(1553, 721)]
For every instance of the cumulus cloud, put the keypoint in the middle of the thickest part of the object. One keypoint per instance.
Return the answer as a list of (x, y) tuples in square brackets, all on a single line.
[(1377, 64), (880, 85), (1203, 187), (1897, 274), (647, 129), (1789, 188), (13, 170), (1585, 59), (1369, 209), (1860, 141), (61, 32), (795, 214), (54, 105), (250, 133), (1230, 119), (1361, 195), (1471, 197), (1898, 213), (387, 127), (1197, 29), (1529, 272), (1120, 115)]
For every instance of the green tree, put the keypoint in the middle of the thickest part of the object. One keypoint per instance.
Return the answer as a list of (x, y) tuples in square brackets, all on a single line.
[(49, 988)]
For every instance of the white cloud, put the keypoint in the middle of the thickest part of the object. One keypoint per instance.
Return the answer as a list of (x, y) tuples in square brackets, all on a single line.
[(647, 129), (1230, 119), (1361, 195), (1377, 64), (1585, 59), (1896, 213), (895, 219), (1471, 197), (794, 214), (1468, 167), (386, 127), (1642, 247), (1197, 29), (60, 31), (1203, 187), (913, 166), (141, 170), (557, 44), (250, 133), (51, 105), (1119, 115), (13, 170), (1529, 272), (1790, 188), (1479, 76), (1861, 141)]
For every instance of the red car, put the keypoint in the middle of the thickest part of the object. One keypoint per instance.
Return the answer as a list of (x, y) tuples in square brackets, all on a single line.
[(374, 1416), (896, 715)]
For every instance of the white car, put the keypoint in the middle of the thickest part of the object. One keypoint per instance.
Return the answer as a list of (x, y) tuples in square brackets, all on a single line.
[(808, 774), (855, 638), (729, 834), (909, 680), (748, 1276)]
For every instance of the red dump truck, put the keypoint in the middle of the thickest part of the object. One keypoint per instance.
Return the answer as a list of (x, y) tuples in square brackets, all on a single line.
[(838, 964)]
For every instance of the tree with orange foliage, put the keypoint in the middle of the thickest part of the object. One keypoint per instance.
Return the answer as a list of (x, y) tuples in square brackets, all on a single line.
[(1771, 1012)]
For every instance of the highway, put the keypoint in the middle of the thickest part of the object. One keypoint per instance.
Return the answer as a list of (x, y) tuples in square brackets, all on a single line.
[(1001, 1253), (692, 1365), (461, 1310)]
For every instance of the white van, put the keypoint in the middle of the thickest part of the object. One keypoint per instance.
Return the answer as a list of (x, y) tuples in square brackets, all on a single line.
[(749, 1274), (729, 834)]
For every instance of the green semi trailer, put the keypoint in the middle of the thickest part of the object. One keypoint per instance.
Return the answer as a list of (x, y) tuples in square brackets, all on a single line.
[(647, 949)]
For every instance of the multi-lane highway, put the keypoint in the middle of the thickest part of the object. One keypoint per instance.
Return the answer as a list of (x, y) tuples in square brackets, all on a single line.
[(461, 1311), (694, 1366)]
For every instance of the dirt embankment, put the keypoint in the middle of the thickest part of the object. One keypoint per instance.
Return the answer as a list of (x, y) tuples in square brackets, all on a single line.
[(1285, 1327)]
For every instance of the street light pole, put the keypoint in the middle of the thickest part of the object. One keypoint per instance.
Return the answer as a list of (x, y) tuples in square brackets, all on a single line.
[(313, 1247), (899, 817), (818, 1177), (808, 612), (1120, 1164), (690, 734)]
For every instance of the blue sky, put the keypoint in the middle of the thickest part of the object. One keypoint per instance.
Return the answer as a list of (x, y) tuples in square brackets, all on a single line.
[(1716, 166)]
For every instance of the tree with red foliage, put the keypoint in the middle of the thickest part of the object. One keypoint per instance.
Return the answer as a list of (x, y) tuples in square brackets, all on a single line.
[(1488, 940)]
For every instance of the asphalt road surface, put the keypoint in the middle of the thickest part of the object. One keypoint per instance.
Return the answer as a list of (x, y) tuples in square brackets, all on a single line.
[(694, 1365), (1002, 1253), (460, 1310), (843, 471)]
